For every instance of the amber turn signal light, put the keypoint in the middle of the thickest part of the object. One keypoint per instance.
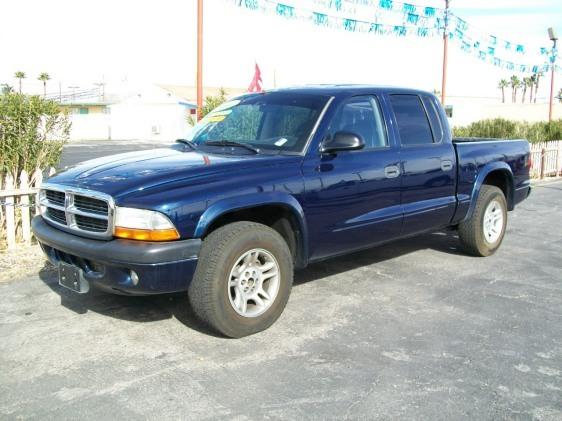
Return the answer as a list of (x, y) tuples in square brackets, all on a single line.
[(146, 235)]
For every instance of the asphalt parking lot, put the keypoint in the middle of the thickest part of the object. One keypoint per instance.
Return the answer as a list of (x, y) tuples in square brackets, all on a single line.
[(78, 151), (411, 330)]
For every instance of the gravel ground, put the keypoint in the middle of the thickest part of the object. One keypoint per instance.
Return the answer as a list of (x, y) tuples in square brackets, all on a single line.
[(22, 263), (411, 330)]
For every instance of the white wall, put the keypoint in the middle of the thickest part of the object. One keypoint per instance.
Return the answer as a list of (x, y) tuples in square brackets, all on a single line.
[(128, 121), (467, 110), (90, 126), (138, 121)]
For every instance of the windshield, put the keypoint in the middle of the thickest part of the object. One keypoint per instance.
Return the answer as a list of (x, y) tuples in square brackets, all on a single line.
[(271, 121)]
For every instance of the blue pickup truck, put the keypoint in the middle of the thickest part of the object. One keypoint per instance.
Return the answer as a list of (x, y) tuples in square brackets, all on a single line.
[(271, 182)]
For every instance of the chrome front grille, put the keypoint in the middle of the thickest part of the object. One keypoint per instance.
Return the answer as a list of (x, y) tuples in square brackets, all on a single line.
[(84, 212), (87, 204), (91, 224), (57, 215), (56, 197)]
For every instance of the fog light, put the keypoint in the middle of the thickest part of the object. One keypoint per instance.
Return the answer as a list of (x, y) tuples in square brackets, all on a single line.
[(134, 277)]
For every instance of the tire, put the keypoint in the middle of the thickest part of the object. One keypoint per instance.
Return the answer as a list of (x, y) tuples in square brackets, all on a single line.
[(478, 238), (220, 287)]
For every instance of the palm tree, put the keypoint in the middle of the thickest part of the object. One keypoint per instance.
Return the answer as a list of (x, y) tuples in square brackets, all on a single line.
[(44, 77), (7, 89), (515, 84), (527, 83), (530, 85), (502, 85), (19, 75), (537, 75), (533, 79)]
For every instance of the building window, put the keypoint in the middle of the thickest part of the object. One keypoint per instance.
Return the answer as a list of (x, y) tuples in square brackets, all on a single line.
[(83, 110)]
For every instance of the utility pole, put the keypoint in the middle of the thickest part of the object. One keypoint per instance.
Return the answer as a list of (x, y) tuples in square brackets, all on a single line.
[(199, 58), (445, 46), (553, 38), (101, 90), (73, 92)]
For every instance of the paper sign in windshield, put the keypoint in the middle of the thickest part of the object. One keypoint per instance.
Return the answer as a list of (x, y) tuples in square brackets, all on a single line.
[(216, 118)]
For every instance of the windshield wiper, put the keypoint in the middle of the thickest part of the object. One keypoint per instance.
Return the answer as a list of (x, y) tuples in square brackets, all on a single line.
[(189, 143), (231, 143)]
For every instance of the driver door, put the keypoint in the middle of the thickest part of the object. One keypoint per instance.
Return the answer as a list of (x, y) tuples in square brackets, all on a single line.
[(352, 198)]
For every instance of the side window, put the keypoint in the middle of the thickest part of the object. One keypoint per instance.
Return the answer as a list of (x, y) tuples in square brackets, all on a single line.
[(413, 124), (434, 118), (361, 115)]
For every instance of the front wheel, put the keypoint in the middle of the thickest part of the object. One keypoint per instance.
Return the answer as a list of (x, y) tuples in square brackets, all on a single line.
[(483, 232), (243, 279)]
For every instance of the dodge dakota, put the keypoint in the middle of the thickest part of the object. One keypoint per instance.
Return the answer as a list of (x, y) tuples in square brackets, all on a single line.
[(270, 182)]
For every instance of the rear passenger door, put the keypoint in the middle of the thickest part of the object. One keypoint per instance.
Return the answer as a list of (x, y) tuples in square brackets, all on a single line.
[(428, 163)]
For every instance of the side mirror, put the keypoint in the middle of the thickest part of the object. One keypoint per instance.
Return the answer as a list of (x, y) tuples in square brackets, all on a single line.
[(343, 141)]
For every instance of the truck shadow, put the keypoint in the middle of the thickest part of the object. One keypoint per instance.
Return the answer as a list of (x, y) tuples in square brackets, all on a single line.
[(441, 241), (162, 307)]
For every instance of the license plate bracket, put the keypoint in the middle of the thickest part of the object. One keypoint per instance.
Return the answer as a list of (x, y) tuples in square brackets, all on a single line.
[(72, 278)]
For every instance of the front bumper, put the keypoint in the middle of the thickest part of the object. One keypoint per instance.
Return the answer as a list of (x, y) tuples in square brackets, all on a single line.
[(161, 267)]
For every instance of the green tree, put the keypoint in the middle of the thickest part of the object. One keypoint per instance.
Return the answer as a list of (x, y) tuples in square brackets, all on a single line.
[(7, 89), (527, 84), (32, 133), (506, 129), (559, 95), (533, 79), (502, 84), (213, 101), (515, 84), (19, 75), (210, 103), (538, 76), (44, 77)]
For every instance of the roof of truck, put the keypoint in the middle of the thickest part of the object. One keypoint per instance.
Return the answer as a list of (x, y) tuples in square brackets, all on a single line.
[(339, 89)]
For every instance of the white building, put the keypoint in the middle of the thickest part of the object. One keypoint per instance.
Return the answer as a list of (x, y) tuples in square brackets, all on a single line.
[(146, 113), (150, 112)]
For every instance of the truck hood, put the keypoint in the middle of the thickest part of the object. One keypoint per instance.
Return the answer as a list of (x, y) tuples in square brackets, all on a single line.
[(123, 174)]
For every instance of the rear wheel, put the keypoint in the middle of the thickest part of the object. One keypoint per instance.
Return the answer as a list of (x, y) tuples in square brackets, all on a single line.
[(483, 232), (243, 279)]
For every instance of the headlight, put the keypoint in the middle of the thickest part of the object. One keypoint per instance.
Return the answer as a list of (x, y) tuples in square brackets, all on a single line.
[(142, 224)]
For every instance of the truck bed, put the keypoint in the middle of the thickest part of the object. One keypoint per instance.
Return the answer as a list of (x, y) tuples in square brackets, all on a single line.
[(481, 139), (477, 156)]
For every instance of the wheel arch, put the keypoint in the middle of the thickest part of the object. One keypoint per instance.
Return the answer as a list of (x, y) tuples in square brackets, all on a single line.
[(497, 174), (280, 211)]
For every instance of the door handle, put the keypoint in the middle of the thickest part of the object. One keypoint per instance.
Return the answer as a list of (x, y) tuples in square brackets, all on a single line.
[(392, 171), (446, 165)]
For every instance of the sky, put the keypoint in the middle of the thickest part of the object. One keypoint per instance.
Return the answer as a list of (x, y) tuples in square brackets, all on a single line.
[(140, 42)]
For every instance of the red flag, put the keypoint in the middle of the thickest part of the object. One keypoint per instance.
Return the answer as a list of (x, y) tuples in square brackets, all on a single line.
[(255, 85)]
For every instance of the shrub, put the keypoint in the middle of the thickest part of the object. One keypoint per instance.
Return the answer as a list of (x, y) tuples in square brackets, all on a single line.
[(508, 129), (209, 104), (33, 131)]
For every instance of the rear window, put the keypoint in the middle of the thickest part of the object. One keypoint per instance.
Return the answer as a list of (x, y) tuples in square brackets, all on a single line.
[(413, 124)]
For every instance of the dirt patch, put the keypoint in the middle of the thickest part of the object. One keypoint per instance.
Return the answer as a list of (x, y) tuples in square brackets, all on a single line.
[(23, 262)]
